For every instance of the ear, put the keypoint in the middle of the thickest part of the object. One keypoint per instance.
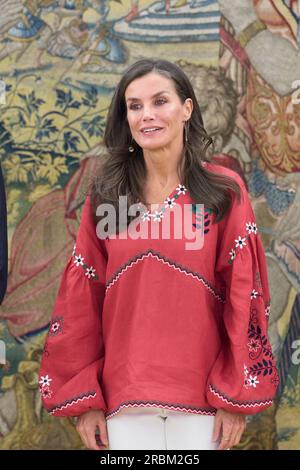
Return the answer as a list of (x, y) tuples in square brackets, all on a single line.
[(188, 108)]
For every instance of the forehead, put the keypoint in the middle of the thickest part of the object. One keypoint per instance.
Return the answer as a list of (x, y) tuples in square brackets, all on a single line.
[(148, 85)]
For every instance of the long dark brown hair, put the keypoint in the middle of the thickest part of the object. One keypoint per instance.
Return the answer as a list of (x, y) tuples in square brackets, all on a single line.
[(123, 173)]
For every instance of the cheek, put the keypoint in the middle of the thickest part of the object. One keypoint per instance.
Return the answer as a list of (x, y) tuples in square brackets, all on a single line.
[(132, 120), (173, 116)]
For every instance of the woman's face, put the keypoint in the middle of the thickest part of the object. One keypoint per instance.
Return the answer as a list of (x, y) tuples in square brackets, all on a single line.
[(152, 102)]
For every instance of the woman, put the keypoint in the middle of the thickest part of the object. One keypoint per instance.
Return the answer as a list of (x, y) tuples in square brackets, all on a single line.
[(144, 327)]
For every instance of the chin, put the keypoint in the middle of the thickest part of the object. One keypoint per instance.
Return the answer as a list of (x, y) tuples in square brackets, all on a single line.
[(154, 145)]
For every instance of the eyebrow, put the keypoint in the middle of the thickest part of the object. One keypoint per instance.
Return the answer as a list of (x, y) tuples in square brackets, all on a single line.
[(153, 96)]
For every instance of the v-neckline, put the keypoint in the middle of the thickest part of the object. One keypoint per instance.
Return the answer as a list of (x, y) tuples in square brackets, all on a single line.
[(158, 213)]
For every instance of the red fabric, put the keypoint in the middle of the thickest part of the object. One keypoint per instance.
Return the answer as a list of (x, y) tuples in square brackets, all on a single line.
[(156, 324)]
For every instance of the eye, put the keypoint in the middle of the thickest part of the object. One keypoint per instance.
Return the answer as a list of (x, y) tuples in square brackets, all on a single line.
[(133, 106), (161, 101)]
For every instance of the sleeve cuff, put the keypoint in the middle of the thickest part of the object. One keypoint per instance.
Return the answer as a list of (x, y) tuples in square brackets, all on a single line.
[(80, 394), (219, 399)]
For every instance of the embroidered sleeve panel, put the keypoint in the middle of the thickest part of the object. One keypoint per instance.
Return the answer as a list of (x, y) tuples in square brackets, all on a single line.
[(73, 355), (244, 376)]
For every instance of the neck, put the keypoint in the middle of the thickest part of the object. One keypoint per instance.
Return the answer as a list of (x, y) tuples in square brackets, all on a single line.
[(161, 167)]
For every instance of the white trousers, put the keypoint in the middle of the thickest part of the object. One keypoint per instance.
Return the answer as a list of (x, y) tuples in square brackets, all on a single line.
[(150, 428)]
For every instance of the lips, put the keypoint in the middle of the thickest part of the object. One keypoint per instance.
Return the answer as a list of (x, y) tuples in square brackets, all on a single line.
[(155, 129)]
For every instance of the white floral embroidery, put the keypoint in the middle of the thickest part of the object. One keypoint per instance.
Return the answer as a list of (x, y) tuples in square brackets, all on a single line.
[(254, 294), (45, 381), (252, 381), (254, 228), (170, 202), (240, 242), (146, 216), (54, 327), (249, 380), (181, 189), (78, 260), (90, 272), (158, 215), (249, 227), (267, 311)]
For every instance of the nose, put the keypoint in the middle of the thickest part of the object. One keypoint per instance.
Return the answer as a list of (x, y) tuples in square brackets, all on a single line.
[(148, 113)]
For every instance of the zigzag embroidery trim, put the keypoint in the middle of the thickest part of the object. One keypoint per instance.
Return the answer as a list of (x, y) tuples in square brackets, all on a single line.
[(200, 411), (73, 401), (171, 264), (242, 405)]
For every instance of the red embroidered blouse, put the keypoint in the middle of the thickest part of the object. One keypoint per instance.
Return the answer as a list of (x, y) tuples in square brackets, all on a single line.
[(147, 322)]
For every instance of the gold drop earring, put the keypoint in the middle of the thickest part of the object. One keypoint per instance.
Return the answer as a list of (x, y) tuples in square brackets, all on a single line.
[(186, 130), (131, 148)]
